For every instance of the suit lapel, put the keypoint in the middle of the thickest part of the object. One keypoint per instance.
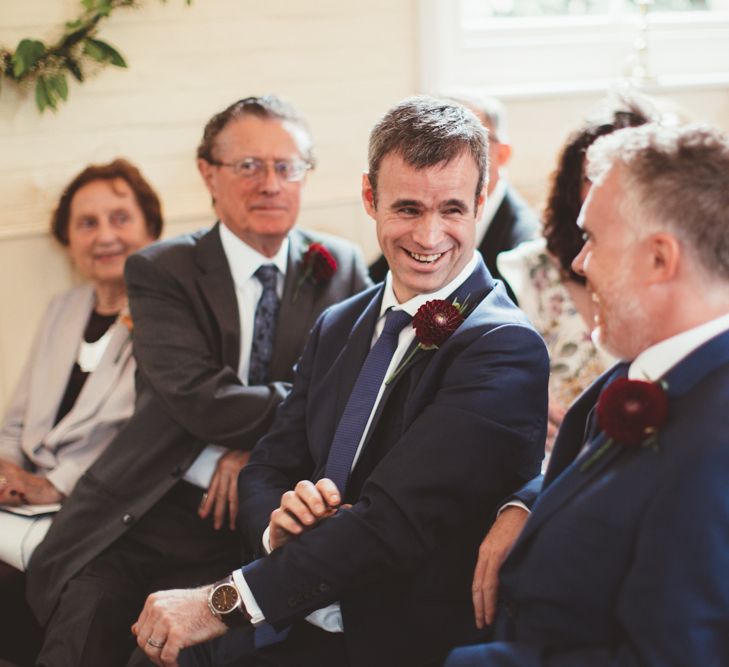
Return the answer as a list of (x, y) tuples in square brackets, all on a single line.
[(355, 352), (563, 483), (474, 288), (216, 284), (56, 369), (99, 383)]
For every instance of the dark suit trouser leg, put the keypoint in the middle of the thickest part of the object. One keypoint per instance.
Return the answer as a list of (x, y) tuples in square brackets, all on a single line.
[(20, 634), (169, 547), (305, 646)]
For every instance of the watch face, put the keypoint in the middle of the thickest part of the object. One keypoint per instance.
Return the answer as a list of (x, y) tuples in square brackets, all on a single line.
[(224, 598)]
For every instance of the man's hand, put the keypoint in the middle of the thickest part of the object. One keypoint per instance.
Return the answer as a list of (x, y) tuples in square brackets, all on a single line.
[(222, 494), (20, 487), (491, 554), (555, 415), (173, 620), (301, 509)]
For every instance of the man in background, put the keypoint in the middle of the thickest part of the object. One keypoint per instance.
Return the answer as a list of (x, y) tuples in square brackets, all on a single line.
[(219, 318)]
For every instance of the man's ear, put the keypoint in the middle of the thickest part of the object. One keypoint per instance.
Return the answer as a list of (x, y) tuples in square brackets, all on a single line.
[(368, 196), (665, 257), (480, 201), (206, 171), (503, 154)]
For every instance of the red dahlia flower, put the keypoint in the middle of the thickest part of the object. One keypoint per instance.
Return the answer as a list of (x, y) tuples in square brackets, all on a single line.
[(630, 411), (434, 323), (318, 266)]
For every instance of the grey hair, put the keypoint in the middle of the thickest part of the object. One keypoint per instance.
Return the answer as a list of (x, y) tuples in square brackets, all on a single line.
[(427, 131), (490, 111), (267, 107), (678, 177)]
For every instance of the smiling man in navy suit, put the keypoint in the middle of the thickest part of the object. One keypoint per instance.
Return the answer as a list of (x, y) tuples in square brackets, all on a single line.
[(624, 559), (368, 491)]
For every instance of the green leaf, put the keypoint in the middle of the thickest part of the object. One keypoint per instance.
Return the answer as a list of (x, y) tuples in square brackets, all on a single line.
[(58, 83), (43, 97), (73, 67), (28, 53), (88, 4), (103, 52)]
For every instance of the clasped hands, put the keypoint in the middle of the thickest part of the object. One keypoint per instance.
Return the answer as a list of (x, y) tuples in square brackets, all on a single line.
[(175, 619), (307, 505), (20, 487)]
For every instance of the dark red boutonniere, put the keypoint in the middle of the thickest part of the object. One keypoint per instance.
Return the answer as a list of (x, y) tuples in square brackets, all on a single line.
[(631, 413), (434, 323), (318, 266)]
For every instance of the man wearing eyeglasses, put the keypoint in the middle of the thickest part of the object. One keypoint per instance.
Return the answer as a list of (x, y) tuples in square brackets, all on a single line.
[(220, 317)]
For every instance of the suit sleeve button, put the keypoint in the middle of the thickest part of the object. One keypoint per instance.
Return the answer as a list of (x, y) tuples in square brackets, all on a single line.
[(323, 588), (128, 519), (292, 601)]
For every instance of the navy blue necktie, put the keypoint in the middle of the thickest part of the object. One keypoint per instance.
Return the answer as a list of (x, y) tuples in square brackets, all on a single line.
[(264, 327), (362, 399)]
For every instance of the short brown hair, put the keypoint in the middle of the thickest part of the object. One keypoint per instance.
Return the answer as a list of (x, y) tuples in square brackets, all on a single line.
[(426, 131), (266, 106), (120, 168)]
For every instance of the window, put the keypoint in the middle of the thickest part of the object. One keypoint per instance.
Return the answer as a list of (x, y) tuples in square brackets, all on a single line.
[(533, 47)]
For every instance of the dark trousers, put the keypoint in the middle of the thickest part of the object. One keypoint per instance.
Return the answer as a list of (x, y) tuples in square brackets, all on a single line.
[(305, 646), (20, 634), (169, 547)]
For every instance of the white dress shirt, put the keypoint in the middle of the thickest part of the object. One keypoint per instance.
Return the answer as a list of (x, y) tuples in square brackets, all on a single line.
[(243, 261), (656, 360), (330, 618)]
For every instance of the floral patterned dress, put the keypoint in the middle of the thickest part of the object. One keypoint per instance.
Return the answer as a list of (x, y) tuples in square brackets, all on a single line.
[(537, 283)]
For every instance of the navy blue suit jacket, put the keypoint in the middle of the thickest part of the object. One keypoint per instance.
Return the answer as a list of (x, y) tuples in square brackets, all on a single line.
[(459, 429), (627, 563)]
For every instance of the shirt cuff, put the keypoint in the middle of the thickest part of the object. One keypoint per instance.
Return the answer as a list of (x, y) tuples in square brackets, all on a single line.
[(249, 601), (64, 476), (266, 540), (514, 503)]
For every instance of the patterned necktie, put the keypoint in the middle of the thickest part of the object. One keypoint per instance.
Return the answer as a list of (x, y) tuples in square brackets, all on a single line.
[(362, 399), (264, 328)]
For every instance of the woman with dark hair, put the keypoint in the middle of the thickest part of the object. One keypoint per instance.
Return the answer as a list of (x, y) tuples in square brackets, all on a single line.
[(77, 387), (540, 273)]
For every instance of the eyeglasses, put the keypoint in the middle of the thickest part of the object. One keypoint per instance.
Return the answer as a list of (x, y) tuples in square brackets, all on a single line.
[(252, 167)]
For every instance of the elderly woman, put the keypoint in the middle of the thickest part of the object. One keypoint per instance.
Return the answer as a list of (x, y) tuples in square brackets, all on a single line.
[(540, 272), (77, 387)]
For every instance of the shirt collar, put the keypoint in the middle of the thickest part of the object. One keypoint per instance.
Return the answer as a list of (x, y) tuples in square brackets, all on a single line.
[(493, 201), (655, 361), (244, 261), (411, 306)]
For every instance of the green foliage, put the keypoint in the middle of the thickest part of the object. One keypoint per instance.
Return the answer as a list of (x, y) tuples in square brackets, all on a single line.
[(79, 45)]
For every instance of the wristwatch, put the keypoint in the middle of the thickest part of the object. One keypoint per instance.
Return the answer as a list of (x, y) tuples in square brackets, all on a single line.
[(225, 603)]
